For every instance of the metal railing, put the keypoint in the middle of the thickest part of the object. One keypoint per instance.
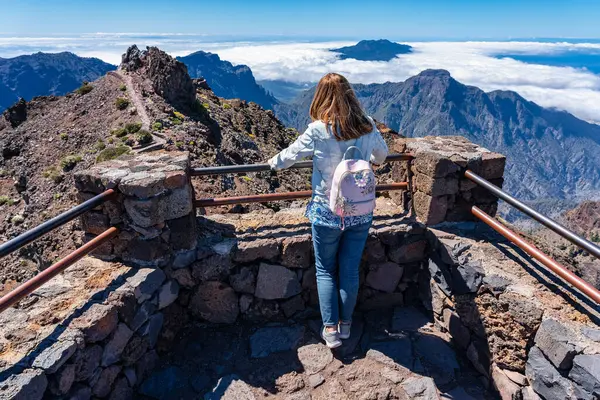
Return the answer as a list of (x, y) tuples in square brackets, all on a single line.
[(34, 283), (24, 239), (529, 248), (263, 198), (40, 230), (233, 169)]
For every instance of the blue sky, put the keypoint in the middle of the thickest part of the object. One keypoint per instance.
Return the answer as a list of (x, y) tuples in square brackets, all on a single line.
[(400, 19)]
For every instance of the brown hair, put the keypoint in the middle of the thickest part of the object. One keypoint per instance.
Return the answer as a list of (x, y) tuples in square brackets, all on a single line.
[(335, 104)]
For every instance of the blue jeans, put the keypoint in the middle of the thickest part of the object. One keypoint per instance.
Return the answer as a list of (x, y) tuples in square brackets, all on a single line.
[(336, 248)]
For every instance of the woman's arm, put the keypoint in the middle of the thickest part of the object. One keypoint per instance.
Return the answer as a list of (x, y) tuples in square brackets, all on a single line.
[(301, 148), (380, 149)]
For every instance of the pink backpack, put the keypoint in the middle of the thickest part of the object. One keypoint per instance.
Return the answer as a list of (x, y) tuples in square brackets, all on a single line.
[(353, 187)]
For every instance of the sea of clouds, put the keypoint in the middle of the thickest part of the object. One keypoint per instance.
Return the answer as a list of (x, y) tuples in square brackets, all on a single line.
[(474, 63)]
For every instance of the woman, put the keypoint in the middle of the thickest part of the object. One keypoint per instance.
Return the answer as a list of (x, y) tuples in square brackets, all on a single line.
[(338, 123)]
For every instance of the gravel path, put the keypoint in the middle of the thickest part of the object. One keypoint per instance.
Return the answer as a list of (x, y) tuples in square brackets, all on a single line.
[(140, 107)]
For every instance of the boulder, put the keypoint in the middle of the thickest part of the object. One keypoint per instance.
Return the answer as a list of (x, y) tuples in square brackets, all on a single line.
[(215, 302), (507, 388), (60, 383), (86, 361), (28, 385), (586, 372), (422, 388), (97, 322), (548, 382), (314, 357), (244, 281), (552, 339), (408, 252), (296, 251), (276, 282), (103, 385), (116, 344), (168, 294), (55, 355), (257, 249), (384, 277), (146, 282)]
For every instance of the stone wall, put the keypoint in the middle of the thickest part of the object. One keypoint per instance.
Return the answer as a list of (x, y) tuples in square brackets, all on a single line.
[(526, 340), (153, 208), (440, 192), (260, 266), (90, 332)]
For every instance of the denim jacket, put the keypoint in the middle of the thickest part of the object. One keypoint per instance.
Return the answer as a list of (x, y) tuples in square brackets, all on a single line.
[(327, 152)]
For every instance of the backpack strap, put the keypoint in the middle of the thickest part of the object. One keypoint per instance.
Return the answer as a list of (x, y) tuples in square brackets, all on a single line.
[(352, 148)]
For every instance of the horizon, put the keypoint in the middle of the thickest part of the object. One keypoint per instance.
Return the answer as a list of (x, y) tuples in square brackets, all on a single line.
[(559, 73)]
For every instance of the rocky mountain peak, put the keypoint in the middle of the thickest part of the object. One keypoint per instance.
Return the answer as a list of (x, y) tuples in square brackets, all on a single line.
[(169, 77)]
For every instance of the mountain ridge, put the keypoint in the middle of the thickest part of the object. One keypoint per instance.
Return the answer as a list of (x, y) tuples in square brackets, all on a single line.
[(226, 79), (40, 74)]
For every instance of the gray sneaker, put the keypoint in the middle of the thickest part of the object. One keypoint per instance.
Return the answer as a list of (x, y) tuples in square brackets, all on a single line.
[(344, 329), (331, 339)]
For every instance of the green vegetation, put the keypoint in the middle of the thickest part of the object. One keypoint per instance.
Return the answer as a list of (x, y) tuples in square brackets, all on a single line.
[(110, 140), (69, 162), (121, 103), (179, 144), (17, 219), (192, 143), (3, 173), (110, 153), (246, 178), (595, 237), (54, 174), (179, 115), (85, 88), (99, 146), (226, 106), (144, 137), (63, 136), (6, 200), (57, 196), (206, 106), (124, 138), (133, 127), (175, 121), (157, 126), (123, 88)]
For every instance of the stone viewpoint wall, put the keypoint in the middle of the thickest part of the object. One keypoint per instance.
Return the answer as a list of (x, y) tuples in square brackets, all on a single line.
[(94, 330)]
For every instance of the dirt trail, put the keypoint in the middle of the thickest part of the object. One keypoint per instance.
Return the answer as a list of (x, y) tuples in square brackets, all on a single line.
[(138, 103)]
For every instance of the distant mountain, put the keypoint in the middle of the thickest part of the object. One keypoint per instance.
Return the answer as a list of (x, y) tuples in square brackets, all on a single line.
[(227, 80), (552, 155), (584, 219), (373, 50), (43, 74), (283, 90)]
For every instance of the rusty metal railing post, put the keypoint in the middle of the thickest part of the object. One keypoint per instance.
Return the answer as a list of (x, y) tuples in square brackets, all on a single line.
[(536, 253), (34, 283)]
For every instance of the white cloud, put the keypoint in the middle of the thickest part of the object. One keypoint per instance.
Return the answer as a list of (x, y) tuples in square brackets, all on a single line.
[(472, 63)]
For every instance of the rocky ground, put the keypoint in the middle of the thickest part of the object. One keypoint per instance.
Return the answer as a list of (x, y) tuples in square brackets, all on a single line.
[(391, 355)]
